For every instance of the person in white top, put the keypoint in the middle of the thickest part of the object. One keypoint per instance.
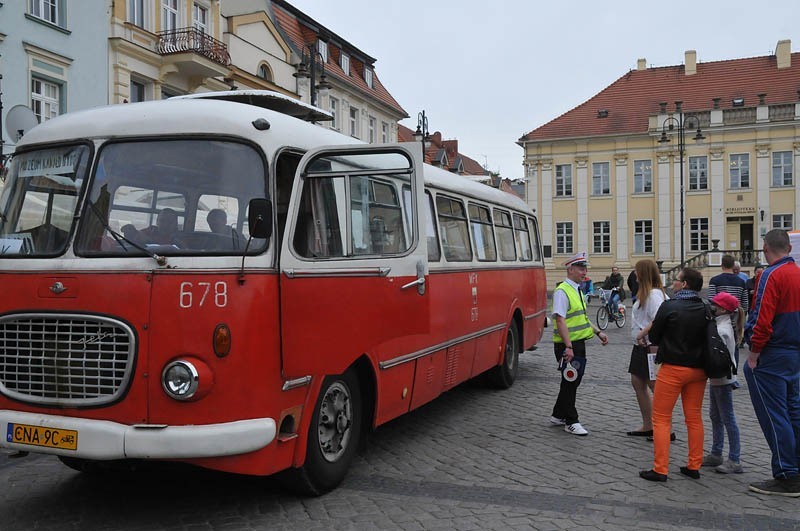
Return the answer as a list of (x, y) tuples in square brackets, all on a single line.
[(648, 299), (720, 392)]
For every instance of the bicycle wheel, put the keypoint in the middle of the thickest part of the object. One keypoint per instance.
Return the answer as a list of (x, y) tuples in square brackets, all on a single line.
[(620, 319), (602, 318)]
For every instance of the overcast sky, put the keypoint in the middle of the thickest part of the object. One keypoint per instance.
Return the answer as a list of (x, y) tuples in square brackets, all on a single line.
[(488, 71)]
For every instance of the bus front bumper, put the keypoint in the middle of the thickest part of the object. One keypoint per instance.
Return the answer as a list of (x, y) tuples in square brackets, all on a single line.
[(105, 440)]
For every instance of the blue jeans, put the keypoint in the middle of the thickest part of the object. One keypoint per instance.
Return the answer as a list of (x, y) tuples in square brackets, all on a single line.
[(613, 302), (720, 409)]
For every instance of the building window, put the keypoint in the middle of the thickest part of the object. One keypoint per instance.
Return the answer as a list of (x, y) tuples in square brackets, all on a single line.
[(354, 122), (782, 168), (344, 62), (642, 177), (264, 72), (643, 236), (384, 132), (698, 234), (563, 180), (322, 48), (136, 12), (169, 15), (372, 126), (601, 180), (740, 170), (564, 237), (698, 173), (335, 113), (782, 221), (137, 91), (45, 99), (601, 231), (200, 18), (46, 10), (368, 77)]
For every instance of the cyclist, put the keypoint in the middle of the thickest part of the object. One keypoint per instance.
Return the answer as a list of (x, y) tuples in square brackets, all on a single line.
[(614, 280)]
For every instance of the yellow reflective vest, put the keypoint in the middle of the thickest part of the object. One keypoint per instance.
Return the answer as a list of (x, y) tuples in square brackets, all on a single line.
[(576, 319)]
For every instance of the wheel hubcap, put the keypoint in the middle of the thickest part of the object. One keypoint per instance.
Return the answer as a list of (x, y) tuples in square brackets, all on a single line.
[(335, 420)]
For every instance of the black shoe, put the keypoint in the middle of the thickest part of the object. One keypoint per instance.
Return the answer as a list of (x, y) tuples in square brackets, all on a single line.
[(672, 437), (652, 475), (686, 471), (779, 486), (645, 433)]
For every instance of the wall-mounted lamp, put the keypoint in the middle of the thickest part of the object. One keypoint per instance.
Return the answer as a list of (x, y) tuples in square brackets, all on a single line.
[(762, 214)]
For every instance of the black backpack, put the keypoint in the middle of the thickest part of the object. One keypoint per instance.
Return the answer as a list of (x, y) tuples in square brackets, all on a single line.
[(717, 360)]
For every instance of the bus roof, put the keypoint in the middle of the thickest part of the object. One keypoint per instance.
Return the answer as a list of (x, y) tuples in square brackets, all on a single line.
[(197, 116)]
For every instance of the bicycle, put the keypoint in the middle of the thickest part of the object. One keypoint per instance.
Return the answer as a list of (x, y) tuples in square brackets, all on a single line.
[(605, 313)]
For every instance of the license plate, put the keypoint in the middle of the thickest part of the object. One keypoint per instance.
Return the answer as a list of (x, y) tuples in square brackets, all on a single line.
[(40, 436)]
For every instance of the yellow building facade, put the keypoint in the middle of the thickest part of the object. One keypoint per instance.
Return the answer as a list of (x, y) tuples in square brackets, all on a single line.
[(603, 179)]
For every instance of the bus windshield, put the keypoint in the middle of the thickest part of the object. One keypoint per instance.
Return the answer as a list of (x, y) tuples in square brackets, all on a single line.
[(39, 200), (172, 197)]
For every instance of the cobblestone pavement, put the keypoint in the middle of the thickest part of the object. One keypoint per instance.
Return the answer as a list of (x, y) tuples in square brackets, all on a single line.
[(473, 459)]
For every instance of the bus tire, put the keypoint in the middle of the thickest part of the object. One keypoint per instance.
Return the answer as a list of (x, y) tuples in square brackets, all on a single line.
[(504, 375), (333, 437)]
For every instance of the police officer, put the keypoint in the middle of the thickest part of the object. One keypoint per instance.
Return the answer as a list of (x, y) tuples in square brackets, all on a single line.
[(572, 329)]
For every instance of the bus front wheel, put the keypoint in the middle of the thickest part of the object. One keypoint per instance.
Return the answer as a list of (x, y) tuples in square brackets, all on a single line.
[(333, 436)]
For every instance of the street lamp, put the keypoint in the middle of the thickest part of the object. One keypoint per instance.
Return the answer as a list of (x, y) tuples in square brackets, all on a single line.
[(421, 134), (681, 122), (308, 69), (2, 157)]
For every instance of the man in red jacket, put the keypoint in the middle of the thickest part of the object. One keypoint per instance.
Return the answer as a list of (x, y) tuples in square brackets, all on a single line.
[(773, 366)]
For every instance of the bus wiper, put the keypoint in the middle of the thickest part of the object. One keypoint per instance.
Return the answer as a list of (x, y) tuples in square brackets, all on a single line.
[(160, 260)]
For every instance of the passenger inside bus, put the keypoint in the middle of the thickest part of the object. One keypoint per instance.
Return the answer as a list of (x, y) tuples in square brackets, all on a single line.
[(164, 232), (223, 236)]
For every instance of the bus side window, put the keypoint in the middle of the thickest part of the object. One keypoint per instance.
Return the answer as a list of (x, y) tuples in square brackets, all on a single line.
[(431, 235), (522, 236), (285, 169), (453, 229), (317, 233), (536, 244)]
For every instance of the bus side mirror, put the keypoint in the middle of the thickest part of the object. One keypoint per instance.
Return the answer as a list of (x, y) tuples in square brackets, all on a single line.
[(259, 218)]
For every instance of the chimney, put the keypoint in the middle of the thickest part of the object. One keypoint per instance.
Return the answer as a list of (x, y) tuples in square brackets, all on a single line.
[(641, 64), (690, 62), (783, 52)]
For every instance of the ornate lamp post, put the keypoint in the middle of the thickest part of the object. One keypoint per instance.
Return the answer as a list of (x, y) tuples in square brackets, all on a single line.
[(681, 122), (421, 134), (308, 69)]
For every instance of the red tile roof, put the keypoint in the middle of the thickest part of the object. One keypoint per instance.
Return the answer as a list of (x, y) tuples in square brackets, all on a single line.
[(440, 147), (306, 33), (632, 98)]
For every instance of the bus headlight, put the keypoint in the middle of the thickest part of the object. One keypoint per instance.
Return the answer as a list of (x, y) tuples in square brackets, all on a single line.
[(180, 379)]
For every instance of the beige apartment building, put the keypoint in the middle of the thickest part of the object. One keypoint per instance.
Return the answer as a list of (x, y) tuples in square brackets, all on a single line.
[(605, 177)]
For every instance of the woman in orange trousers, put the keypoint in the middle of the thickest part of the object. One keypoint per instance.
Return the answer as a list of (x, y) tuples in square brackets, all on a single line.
[(679, 331)]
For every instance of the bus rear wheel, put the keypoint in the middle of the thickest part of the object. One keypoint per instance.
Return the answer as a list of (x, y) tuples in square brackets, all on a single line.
[(333, 437), (504, 375)]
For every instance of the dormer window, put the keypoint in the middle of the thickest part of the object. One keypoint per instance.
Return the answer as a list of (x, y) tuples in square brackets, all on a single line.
[(322, 48), (344, 62), (738, 102), (368, 77)]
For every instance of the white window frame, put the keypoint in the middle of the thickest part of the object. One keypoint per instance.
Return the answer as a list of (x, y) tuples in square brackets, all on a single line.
[(45, 106), (136, 13), (170, 9), (344, 62), (47, 10), (322, 48), (563, 180), (698, 173), (333, 106), (373, 124), (601, 178), (354, 122), (642, 176), (565, 241), (384, 132), (698, 234), (368, 77), (739, 170), (199, 8), (601, 237), (783, 221), (643, 236), (782, 169)]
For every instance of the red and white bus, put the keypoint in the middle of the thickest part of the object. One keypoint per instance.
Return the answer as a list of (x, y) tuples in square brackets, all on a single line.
[(209, 281)]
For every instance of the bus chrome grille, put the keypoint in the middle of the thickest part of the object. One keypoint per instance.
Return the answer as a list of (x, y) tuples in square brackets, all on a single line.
[(65, 360)]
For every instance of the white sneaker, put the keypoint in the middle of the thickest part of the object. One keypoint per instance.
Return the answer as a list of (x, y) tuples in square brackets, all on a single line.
[(555, 421), (575, 429)]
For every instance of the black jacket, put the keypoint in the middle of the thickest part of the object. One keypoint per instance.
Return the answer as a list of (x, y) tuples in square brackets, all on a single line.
[(679, 330)]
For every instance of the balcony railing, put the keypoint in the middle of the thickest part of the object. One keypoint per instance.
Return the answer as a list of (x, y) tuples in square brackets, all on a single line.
[(192, 40), (746, 257)]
